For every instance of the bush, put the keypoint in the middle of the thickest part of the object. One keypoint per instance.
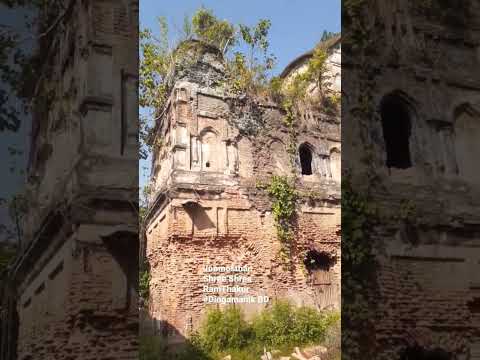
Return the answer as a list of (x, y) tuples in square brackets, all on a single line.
[(225, 332), (310, 326), (273, 326), (284, 324), (193, 350), (144, 285), (224, 329)]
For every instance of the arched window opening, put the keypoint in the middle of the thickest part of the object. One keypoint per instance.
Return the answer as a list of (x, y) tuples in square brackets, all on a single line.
[(319, 265), (396, 124), (306, 158), (467, 145), (212, 151), (279, 158), (335, 164), (325, 166)]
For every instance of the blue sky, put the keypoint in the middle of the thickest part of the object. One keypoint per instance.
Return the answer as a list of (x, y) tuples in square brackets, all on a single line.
[(297, 25)]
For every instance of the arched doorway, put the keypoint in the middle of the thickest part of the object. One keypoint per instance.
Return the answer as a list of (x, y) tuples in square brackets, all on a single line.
[(306, 159), (396, 125)]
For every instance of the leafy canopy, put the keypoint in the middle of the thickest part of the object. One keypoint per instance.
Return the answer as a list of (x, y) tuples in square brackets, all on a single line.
[(157, 56), (211, 30)]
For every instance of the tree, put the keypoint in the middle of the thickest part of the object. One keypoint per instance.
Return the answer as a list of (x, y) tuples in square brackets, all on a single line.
[(20, 54), (158, 55), (18, 63), (249, 73), (155, 62), (211, 30), (327, 35)]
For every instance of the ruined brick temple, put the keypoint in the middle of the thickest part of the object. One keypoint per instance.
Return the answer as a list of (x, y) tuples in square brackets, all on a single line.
[(420, 145), (212, 151), (73, 292)]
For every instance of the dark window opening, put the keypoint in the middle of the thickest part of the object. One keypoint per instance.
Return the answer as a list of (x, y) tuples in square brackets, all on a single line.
[(207, 164), (396, 126), (474, 305), (315, 260), (305, 159), (417, 352)]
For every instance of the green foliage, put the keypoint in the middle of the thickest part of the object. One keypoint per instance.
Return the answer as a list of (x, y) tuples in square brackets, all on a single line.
[(273, 326), (7, 254), (407, 211), (295, 89), (142, 212), (17, 208), (327, 35), (275, 88), (151, 348), (211, 30), (19, 65), (331, 103), (358, 217), (245, 73), (291, 92), (358, 269), (9, 119), (258, 36), (335, 99), (256, 39), (226, 332), (283, 324), (156, 61), (143, 206), (192, 350), (317, 65), (144, 197), (144, 284), (224, 329), (187, 28), (282, 191), (310, 325), (241, 78), (354, 19), (248, 72)]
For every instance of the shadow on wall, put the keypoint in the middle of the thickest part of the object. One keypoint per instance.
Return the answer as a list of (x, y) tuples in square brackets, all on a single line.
[(416, 352), (123, 245), (199, 216)]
